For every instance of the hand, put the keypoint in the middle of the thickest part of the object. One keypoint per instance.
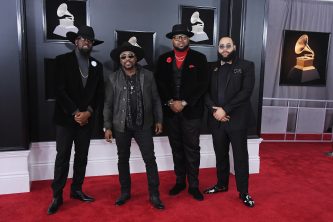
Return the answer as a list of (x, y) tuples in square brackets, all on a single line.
[(176, 106), (108, 135), (220, 115), (82, 117), (158, 128)]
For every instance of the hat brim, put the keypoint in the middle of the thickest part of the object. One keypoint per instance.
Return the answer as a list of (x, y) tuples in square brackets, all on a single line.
[(72, 36), (187, 33), (139, 53)]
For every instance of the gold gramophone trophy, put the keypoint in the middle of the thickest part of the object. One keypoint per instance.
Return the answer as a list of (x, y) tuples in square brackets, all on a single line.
[(304, 64)]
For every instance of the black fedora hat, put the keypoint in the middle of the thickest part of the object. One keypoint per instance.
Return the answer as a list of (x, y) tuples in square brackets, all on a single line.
[(179, 29), (126, 46), (86, 32)]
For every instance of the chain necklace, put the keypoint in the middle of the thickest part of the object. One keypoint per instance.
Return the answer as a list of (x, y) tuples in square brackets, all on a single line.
[(84, 76), (131, 81), (180, 58)]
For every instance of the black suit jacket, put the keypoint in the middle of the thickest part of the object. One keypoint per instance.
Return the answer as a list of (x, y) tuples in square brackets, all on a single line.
[(70, 93), (237, 93), (194, 84)]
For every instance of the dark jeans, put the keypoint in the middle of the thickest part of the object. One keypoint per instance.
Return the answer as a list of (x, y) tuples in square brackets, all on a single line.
[(184, 141), (144, 140), (222, 137), (65, 136)]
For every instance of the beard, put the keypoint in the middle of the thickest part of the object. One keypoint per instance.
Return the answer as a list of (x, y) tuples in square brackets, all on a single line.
[(229, 57), (181, 49), (85, 51)]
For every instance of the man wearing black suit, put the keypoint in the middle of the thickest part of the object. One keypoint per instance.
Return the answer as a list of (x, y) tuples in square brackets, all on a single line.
[(182, 80), (229, 115), (79, 90)]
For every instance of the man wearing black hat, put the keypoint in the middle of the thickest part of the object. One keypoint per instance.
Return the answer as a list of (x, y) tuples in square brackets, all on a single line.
[(182, 80), (132, 108), (79, 90)]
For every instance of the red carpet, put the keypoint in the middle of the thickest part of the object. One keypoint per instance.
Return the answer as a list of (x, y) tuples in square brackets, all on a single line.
[(295, 184)]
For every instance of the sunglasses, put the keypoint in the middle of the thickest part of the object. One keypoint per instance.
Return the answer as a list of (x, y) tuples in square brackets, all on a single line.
[(85, 40), (130, 56), (228, 46), (180, 37)]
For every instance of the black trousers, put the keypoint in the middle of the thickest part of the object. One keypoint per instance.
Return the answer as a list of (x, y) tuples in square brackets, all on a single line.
[(144, 140), (65, 136), (222, 137), (184, 141)]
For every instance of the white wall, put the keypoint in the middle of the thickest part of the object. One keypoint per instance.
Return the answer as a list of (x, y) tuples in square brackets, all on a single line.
[(17, 169)]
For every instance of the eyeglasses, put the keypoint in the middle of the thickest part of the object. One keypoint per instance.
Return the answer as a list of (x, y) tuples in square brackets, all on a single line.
[(228, 46), (130, 56), (180, 37), (89, 41)]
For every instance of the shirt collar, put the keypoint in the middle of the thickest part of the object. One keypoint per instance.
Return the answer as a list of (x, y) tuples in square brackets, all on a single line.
[(222, 63)]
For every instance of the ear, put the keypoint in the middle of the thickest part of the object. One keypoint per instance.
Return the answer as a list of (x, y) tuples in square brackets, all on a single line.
[(234, 47), (76, 40)]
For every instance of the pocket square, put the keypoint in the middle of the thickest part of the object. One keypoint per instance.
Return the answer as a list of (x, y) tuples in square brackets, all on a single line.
[(237, 71)]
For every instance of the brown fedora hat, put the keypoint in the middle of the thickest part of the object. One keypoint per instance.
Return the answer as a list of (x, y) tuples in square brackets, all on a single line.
[(179, 29), (86, 32)]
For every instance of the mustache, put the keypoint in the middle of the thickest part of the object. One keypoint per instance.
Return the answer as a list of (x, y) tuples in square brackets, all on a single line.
[(182, 49)]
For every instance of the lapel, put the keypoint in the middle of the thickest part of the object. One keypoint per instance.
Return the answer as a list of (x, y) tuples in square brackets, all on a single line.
[(141, 78), (214, 77), (168, 66), (187, 60), (185, 66), (231, 72), (91, 71)]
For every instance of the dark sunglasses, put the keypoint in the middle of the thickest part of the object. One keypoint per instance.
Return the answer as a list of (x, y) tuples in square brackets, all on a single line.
[(89, 41), (123, 57), (228, 46)]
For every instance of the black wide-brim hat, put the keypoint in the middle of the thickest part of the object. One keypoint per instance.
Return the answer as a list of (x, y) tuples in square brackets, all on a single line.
[(179, 29), (85, 32), (126, 46)]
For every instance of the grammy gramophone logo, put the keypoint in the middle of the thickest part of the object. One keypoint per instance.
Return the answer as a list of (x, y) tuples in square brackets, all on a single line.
[(66, 21), (304, 67)]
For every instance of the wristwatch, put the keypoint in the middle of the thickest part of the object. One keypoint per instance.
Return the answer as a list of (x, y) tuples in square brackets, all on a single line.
[(184, 103)]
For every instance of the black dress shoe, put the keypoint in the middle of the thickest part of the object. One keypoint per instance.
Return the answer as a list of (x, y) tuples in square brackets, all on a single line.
[(78, 194), (54, 206), (195, 192), (156, 202), (215, 189), (177, 189), (247, 199), (124, 197)]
